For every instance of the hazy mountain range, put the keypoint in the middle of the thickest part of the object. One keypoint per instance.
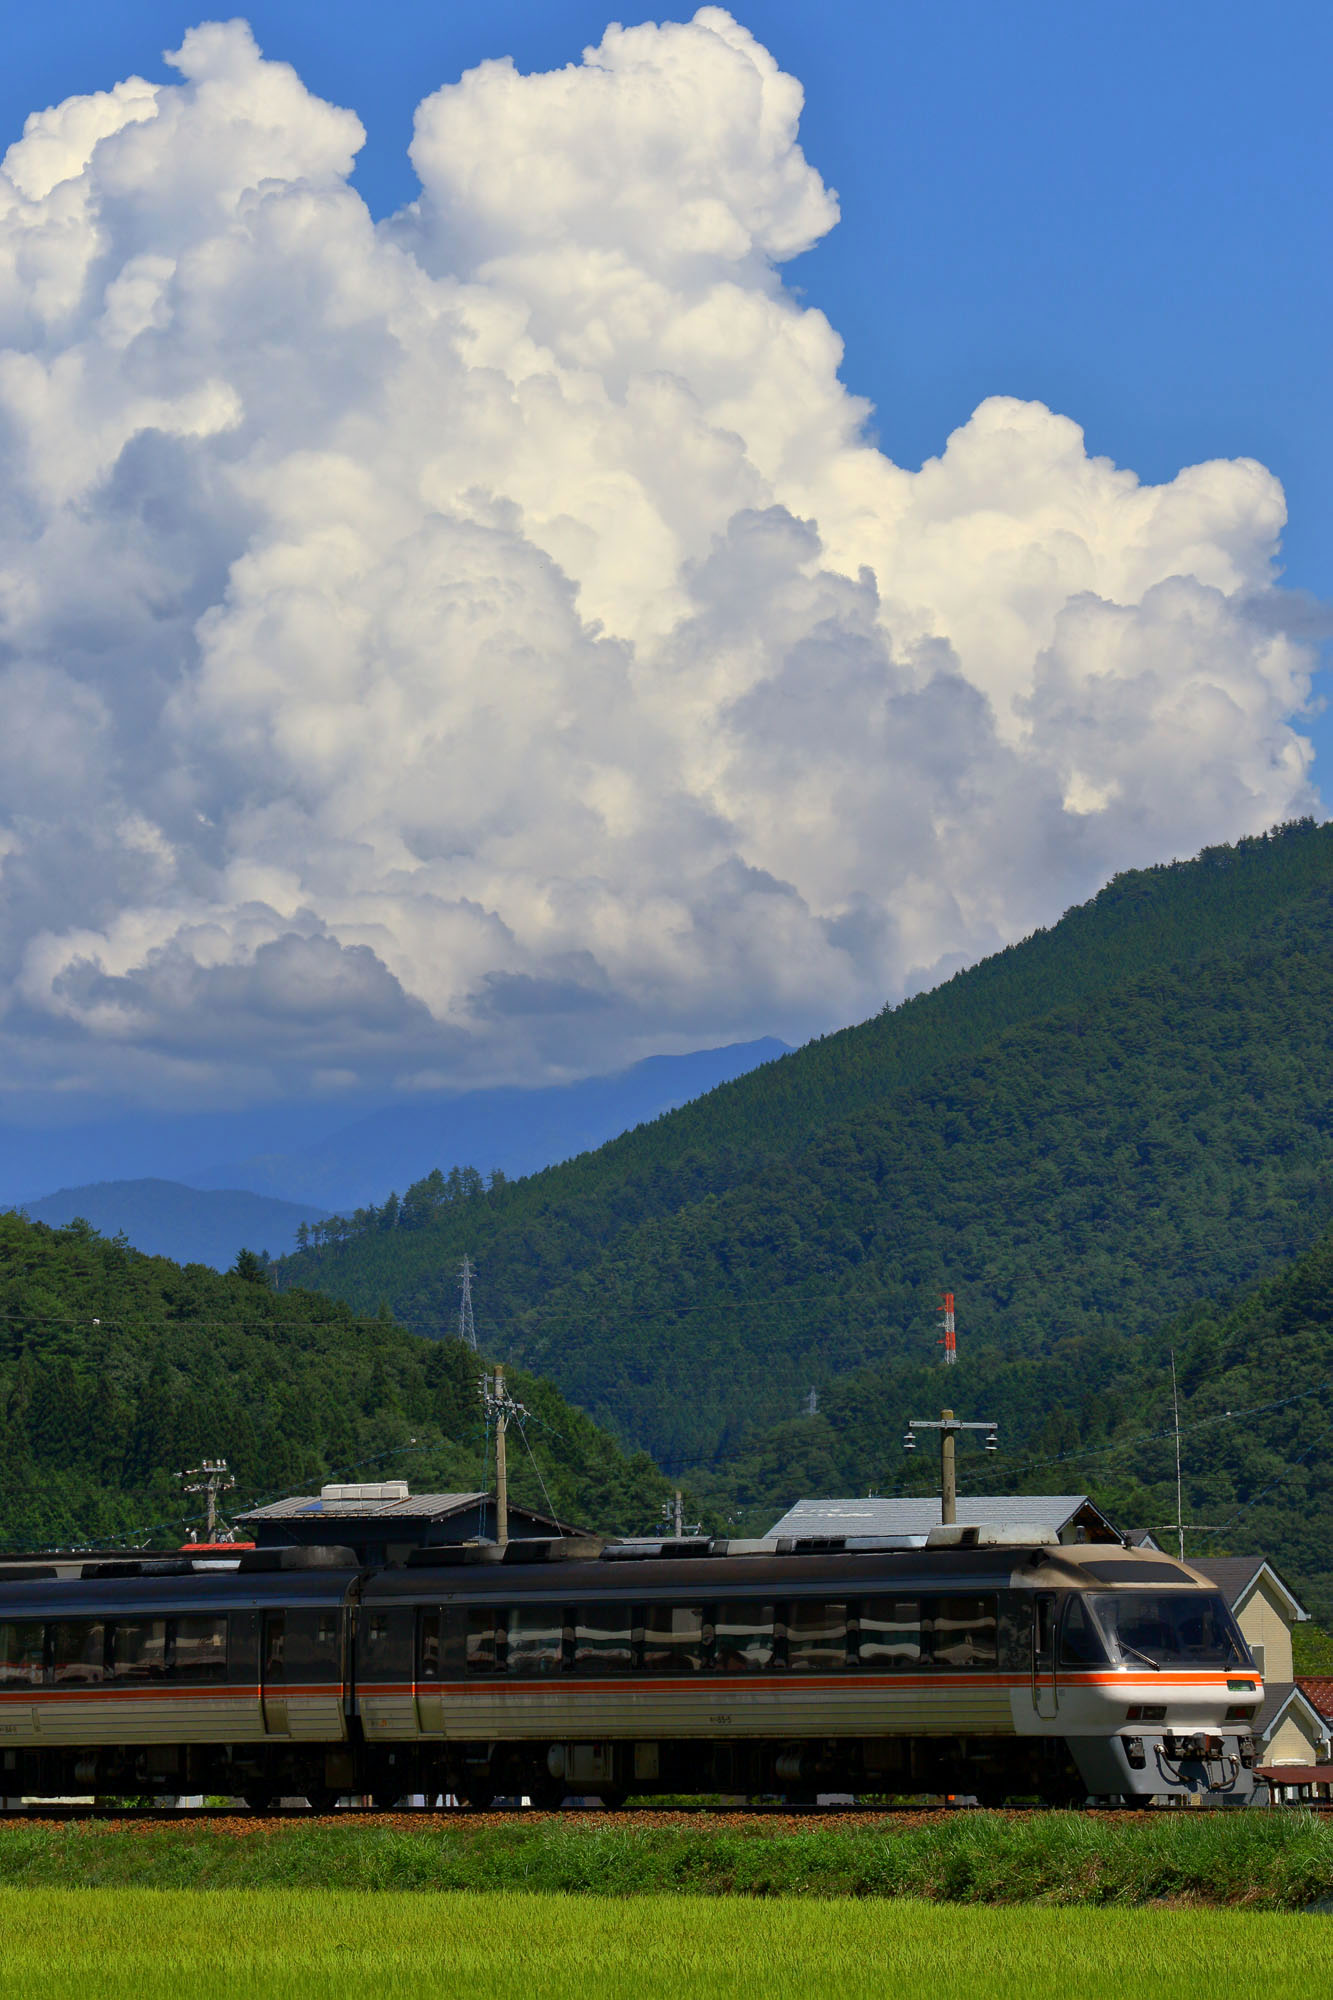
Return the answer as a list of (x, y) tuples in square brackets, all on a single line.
[(198, 1187)]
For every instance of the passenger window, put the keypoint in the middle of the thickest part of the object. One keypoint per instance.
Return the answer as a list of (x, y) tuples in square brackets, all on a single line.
[(480, 1653), (138, 1649), (963, 1631), (428, 1650), (21, 1654), (673, 1639), (275, 1645), (891, 1634), (533, 1633), (78, 1651), (603, 1639), (743, 1641), (200, 1652), (816, 1637)]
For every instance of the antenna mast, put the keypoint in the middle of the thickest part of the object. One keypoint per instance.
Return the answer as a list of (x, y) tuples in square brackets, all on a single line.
[(467, 1331), (950, 1341)]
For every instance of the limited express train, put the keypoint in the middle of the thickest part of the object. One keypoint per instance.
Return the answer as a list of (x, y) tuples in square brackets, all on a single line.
[(987, 1664)]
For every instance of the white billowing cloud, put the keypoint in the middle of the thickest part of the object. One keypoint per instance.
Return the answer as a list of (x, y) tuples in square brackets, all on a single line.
[(484, 645)]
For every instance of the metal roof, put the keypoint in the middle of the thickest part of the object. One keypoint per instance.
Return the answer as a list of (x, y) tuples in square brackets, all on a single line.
[(419, 1506), (875, 1516)]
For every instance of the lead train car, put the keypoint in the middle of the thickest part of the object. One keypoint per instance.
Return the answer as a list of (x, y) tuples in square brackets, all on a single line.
[(970, 1668)]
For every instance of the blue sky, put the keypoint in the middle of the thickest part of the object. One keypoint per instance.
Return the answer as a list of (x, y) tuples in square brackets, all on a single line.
[(1121, 211)]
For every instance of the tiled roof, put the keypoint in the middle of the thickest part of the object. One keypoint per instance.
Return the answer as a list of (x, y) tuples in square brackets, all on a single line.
[(1318, 1691)]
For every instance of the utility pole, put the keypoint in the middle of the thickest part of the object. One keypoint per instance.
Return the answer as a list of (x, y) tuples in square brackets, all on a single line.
[(501, 1464), (1175, 1408), (950, 1341), (948, 1427), (211, 1478), (467, 1331)]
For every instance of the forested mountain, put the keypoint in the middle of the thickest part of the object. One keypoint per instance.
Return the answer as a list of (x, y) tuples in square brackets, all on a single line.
[(1093, 1413), (118, 1370), (1120, 1116)]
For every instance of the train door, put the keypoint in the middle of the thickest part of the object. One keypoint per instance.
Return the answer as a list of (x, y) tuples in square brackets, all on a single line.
[(273, 1658), (1045, 1692)]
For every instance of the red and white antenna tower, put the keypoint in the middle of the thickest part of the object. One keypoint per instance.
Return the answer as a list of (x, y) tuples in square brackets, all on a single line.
[(950, 1341)]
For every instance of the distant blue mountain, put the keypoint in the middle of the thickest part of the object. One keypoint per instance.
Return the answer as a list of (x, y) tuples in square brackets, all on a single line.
[(188, 1224), (519, 1131)]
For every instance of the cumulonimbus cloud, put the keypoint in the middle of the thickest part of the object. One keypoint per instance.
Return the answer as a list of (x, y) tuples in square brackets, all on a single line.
[(484, 644)]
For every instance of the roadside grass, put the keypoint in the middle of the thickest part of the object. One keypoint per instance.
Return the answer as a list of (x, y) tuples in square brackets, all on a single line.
[(1260, 1861), (143, 1944)]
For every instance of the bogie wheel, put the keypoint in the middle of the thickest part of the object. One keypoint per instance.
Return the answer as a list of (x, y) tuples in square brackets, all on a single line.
[(322, 1798), (613, 1800), (259, 1802)]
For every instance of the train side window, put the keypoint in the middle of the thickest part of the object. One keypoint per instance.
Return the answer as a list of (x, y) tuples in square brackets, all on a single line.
[(199, 1649), (743, 1638), (532, 1641), (816, 1637), (603, 1639), (137, 1649), (313, 1650), (673, 1639), (21, 1652), (1080, 1641), (891, 1636), (428, 1647), (479, 1641), (963, 1631), (78, 1651)]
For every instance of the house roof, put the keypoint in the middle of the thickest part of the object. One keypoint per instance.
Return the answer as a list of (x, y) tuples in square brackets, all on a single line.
[(1280, 1697), (1237, 1576), (889, 1516), (1318, 1690), (416, 1507)]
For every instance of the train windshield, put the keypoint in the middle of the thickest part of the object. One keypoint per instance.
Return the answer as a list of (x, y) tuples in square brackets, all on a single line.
[(1185, 1628)]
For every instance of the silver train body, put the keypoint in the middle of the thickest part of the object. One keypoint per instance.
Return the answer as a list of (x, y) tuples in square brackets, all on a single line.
[(989, 1672)]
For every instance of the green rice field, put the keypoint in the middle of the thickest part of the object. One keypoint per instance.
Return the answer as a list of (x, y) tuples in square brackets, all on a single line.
[(285, 1944)]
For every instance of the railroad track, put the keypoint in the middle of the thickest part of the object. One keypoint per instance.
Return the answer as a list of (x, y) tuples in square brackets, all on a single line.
[(465, 1815)]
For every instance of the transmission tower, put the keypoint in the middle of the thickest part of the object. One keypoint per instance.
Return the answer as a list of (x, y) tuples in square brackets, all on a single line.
[(467, 1331)]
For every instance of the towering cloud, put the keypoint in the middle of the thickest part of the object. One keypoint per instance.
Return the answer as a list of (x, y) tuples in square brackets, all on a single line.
[(484, 644)]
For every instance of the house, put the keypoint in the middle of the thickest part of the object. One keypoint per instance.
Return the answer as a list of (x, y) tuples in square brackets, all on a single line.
[(1290, 1728), (1073, 1516), (385, 1523)]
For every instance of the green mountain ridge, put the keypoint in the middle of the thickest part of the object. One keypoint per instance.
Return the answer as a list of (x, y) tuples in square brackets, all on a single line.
[(119, 1370), (1098, 1127)]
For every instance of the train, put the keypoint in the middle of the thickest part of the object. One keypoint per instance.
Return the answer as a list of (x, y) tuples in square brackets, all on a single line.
[(991, 1664)]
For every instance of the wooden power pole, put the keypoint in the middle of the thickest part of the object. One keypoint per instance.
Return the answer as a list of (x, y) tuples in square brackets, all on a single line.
[(501, 1464), (948, 1426)]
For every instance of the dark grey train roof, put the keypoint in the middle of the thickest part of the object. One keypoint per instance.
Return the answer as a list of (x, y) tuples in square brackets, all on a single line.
[(162, 1596), (704, 1576)]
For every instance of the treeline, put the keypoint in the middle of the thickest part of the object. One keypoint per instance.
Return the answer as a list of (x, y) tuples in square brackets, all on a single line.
[(119, 1371), (1122, 1115), (425, 1203)]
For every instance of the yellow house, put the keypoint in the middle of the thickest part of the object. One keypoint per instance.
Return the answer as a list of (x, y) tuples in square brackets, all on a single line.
[(1290, 1729)]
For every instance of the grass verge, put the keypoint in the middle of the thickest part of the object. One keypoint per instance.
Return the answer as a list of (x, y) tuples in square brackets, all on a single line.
[(1261, 1861), (299, 1944)]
